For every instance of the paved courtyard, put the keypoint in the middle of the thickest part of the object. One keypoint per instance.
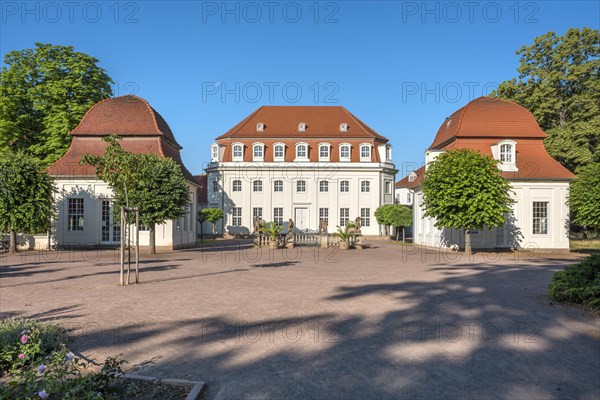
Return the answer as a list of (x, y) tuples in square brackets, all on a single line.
[(387, 322)]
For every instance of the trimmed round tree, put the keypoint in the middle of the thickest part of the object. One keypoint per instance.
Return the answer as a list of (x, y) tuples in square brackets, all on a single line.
[(464, 189), (400, 216), (26, 196)]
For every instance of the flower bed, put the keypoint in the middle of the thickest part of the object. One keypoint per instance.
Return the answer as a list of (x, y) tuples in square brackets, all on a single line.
[(36, 364)]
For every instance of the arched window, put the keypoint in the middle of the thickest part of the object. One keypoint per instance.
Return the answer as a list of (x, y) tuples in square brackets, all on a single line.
[(257, 186), (323, 186), (388, 153), (236, 186), (506, 153), (365, 152), (301, 186), (214, 153), (238, 152), (278, 186), (324, 151), (344, 152), (258, 151), (278, 152)]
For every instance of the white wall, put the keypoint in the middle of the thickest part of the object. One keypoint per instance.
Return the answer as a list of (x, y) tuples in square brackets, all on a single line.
[(312, 173), (525, 193)]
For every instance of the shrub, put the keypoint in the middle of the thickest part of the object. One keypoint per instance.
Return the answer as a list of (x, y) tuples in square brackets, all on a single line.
[(48, 338), (579, 283)]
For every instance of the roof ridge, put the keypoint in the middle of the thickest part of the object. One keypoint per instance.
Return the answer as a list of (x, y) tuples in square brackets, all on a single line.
[(370, 131), (241, 124), (87, 112)]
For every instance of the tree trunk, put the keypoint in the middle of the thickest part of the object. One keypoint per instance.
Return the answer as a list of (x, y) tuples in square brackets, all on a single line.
[(403, 235), (214, 225), (397, 234), (12, 244), (468, 241), (201, 233), (152, 239)]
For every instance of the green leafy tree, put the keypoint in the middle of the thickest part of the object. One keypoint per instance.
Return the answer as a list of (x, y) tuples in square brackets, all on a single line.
[(213, 215), (382, 216), (464, 189), (44, 93), (584, 197), (559, 82), (26, 196), (155, 186), (400, 216)]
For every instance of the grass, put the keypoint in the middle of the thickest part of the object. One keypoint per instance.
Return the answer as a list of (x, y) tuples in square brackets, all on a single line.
[(579, 284), (585, 246)]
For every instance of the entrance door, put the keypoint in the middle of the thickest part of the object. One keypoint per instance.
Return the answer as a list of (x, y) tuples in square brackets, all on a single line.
[(110, 228), (301, 218)]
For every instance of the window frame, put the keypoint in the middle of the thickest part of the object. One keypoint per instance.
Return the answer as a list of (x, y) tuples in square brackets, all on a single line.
[(324, 146), (323, 186), (214, 153), (257, 186), (344, 216), (256, 146), (236, 185), (233, 151), (275, 156), (365, 186), (75, 214), (365, 220), (276, 183), (324, 215), (344, 186), (236, 220), (542, 221), (370, 149), (349, 156), (299, 183), (305, 156), (278, 219)]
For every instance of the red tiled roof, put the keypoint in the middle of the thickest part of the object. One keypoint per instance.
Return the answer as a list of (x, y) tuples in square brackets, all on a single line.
[(404, 183), (321, 122), (124, 116), (488, 117)]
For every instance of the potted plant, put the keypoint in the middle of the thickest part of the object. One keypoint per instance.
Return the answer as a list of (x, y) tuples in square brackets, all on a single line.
[(345, 235), (272, 230)]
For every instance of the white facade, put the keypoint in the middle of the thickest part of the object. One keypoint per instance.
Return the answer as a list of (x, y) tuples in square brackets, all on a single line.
[(336, 192), (539, 221), (85, 218)]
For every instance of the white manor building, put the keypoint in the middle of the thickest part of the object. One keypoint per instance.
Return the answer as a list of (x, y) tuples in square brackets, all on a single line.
[(305, 163), (509, 133), (85, 206)]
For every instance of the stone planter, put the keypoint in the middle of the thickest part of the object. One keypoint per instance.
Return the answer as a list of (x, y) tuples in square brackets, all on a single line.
[(273, 244), (344, 245)]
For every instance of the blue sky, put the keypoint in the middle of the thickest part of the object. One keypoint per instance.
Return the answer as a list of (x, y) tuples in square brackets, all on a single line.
[(402, 67)]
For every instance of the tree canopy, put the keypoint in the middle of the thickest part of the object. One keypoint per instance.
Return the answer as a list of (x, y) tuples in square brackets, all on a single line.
[(44, 93), (213, 215), (155, 186), (584, 197), (559, 82), (396, 215), (465, 189), (26, 196)]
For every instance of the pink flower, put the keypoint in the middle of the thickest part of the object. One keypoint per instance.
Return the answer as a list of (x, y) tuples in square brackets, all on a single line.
[(24, 339), (21, 356)]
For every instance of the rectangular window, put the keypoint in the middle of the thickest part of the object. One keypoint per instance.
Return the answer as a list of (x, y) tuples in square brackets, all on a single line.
[(258, 151), (301, 186), (540, 218), (238, 151), (301, 151), (236, 216), (408, 197), (215, 186), (324, 215), (237, 186), (344, 186), (324, 186), (345, 152), (279, 151), (344, 216), (365, 186), (365, 217), (388, 187), (324, 152), (75, 214), (278, 215), (257, 186), (257, 213), (278, 186)]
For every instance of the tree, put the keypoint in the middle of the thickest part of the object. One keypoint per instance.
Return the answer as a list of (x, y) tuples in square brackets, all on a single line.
[(26, 196), (400, 216), (213, 215), (559, 82), (465, 189), (584, 197), (382, 216), (155, 186), (44, 93)]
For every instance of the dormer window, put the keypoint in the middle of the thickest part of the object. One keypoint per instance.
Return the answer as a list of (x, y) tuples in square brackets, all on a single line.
[(214, 153), (260, 127), (324, 150), (238, 152), (365, 152), (505, 151), (258, 152), (278, 152), (301, 152), (388, 153), (302, 127), (344, 152), (344, 127), (412, 177)]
